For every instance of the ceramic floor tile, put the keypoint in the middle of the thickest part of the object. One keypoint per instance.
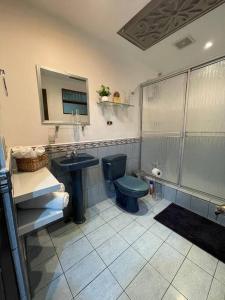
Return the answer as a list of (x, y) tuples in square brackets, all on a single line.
[(39, 254), (153, 200), (112, 248), (203, 259), (167, 261), (56, 290), (179, 243), (104, 205), (160, 230), (124, 297), (147, 244), (74, 253), (133, 216), (132, 232), (121, 221), (150, 201), (67, 238), (92, 224), (192, 282), (60, 227), (100, 235), (217, 291), (104, 287), (84, 272), (173, 294), (146, 220), (126, 266), (110, 213), (90, 212), (143, 209), (148, 285), (38, 238), (42, 274), (220, 272), (160, 206)]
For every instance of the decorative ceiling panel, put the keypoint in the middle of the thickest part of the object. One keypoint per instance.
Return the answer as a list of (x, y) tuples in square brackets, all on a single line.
[(160, 18)]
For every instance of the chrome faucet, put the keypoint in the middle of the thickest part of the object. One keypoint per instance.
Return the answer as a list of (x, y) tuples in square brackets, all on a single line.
[(72, 154), (220, 209)]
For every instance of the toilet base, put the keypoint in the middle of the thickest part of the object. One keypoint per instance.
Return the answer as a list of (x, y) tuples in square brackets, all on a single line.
[(130, 204)]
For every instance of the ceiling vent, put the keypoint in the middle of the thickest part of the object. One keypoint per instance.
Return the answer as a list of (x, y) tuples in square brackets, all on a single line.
[(160, 18), (188, 40)]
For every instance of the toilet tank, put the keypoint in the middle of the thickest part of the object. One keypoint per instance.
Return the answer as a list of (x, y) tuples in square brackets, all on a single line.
[(114, 166)]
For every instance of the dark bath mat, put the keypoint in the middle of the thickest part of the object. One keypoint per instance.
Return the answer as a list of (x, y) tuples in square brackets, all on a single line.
[(202, 232)]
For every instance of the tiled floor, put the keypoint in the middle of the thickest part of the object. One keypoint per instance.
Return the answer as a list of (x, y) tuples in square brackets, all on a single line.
[(116, 255)]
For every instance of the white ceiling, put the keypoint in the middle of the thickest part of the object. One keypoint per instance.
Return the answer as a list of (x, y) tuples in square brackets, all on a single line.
[(103, 18)]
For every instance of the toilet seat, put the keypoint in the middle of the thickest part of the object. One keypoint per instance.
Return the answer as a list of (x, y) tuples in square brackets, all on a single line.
[(132, 186)]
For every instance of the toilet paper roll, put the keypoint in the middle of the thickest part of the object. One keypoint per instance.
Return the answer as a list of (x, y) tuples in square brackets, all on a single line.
[(156, 172)]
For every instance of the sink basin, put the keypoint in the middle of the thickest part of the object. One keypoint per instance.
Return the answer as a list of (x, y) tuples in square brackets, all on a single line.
[(81, 161), (74, 166)]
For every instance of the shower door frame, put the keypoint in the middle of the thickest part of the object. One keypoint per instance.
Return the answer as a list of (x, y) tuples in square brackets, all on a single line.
[(183, 131)]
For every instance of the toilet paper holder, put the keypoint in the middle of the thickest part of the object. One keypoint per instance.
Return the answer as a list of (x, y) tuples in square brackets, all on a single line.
[(156, 171), (155, 165)]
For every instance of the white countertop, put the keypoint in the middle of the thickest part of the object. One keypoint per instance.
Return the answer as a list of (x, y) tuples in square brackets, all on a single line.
[(28, 185)]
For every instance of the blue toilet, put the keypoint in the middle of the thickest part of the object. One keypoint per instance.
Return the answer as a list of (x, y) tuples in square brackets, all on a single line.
[(128, 188)]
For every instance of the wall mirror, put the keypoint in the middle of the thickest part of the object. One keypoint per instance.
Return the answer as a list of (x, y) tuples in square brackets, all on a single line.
[(63, 97)]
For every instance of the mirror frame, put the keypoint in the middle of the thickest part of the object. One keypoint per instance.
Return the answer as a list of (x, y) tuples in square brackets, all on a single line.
[(52, 122)]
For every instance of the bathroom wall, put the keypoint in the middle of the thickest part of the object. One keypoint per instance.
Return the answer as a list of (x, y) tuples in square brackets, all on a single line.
[(30, 37)]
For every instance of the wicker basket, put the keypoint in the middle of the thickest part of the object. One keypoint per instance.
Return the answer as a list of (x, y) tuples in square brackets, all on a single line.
[(32, 164)]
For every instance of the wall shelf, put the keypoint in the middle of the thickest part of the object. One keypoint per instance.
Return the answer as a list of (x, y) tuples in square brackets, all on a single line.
[(111, 103), (32, 219), (28, 185)]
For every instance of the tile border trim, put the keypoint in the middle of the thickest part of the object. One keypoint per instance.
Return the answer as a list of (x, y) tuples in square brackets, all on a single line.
[(54, 148)]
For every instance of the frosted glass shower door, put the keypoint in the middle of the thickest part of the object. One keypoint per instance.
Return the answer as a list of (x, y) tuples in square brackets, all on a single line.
[(204, 164), (163, 105), (163, 152), (162, 124), (204, 148), (206, 101)]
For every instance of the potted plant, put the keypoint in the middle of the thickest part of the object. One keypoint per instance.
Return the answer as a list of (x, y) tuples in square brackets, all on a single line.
[(104, 93)]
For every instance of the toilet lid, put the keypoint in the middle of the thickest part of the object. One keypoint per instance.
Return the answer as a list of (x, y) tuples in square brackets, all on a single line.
[(131, 183)]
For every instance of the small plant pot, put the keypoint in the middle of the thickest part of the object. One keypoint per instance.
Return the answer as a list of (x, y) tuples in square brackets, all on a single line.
[(104, 98)]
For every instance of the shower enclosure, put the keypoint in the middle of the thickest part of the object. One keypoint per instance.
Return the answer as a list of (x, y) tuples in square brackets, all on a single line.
[(183, 128)]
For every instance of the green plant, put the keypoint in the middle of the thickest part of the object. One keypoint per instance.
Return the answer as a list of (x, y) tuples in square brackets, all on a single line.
[(104, 91)]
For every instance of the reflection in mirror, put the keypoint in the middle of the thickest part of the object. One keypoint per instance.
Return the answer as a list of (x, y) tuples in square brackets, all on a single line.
[(63, 97)]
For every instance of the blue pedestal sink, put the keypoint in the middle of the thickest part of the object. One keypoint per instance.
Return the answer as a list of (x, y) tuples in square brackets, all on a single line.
[(74, 165)]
